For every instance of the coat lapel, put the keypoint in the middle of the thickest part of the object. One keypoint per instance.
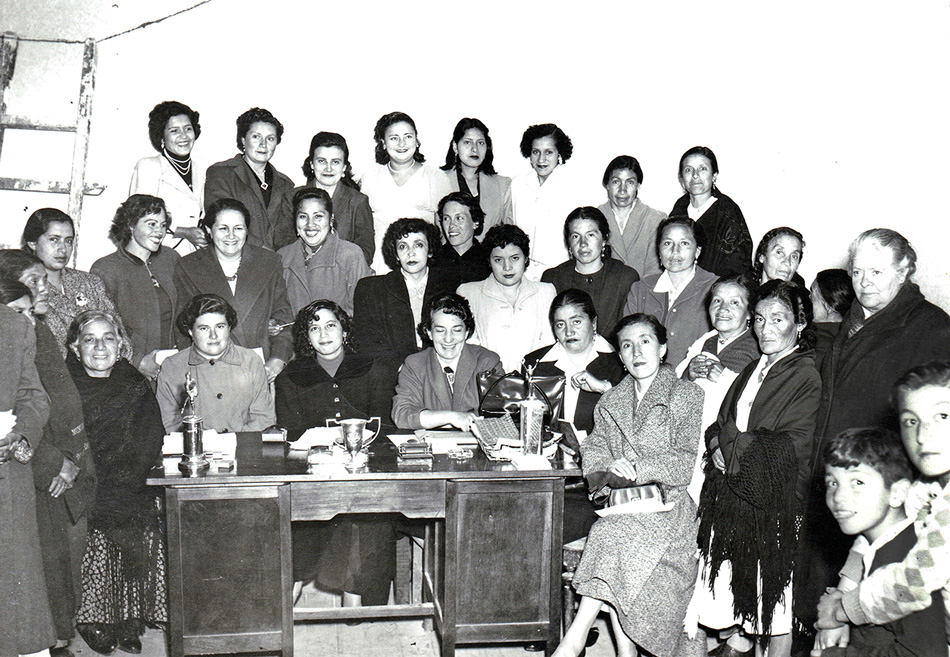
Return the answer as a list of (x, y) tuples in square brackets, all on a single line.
[(248, 177), (248, 288), (440, 386)]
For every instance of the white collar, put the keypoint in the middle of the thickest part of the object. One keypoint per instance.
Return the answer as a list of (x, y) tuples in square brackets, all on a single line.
[(869, 550), (665, 284), (696, 213), (558, 352)]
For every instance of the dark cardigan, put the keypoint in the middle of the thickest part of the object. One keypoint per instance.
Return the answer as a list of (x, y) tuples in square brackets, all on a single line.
[(608, 288), (728, 247)]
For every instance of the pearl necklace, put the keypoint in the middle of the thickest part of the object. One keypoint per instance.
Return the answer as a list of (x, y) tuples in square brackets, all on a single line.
[(183, 170)]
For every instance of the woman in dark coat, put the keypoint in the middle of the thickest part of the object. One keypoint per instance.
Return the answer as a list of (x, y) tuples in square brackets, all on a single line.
[(123, 571), (756, 477), (462, 220), (248, 277), (328, 381), (138, 278), (591, 268), (646, 431), (250, 178), (385, 312), (27, 626), (889, 329), (729, 242)]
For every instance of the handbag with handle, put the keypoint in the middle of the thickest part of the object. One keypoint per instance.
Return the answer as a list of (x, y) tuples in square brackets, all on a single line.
[(500, 393)]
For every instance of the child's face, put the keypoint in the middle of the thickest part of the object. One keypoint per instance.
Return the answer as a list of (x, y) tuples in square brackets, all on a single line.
[(925, 429), (860, 501)]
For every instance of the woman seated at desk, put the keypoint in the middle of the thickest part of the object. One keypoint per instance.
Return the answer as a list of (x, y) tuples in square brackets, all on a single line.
[(355, 556), (232, 384), (437, 386)]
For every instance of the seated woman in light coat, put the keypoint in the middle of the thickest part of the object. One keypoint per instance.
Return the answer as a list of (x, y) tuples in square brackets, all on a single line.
[(320, 264), (232, 385), (437, 386)]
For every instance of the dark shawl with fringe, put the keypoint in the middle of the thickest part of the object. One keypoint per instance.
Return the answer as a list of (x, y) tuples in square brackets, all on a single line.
[(749, 515)]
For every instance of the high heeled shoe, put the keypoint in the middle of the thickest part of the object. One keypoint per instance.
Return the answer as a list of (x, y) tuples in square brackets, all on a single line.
[(127, 637)]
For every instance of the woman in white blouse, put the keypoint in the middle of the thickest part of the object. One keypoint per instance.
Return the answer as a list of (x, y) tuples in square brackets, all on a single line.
[(401, 185)]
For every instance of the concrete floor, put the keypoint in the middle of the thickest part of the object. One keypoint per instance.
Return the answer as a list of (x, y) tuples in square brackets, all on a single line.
[(385, 638)]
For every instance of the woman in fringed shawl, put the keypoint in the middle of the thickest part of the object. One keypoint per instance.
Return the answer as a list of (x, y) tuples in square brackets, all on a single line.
[(756, 477), (123, 571)]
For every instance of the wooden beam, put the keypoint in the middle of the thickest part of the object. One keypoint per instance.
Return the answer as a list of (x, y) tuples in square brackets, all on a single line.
[(24, 123), (81, 145), (54, 187), (8, 48)]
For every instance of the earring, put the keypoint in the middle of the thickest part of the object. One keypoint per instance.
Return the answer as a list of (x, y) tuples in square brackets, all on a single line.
[(560, 160)]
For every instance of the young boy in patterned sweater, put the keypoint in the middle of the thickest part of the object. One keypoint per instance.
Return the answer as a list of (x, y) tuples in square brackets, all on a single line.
[(899, 589), (867, 478)]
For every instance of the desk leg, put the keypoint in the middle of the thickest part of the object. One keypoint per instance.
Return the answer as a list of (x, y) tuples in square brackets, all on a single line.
[(229, 570), (502, 576)]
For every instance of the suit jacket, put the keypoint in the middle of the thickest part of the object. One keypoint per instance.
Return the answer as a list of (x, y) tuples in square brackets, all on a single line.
[(423, 385), (133, 293), (352, 217), (728, 242), (382, 316), (156, 176), (307, 396), (685, 321), (494, 197), (635, 246), (260, 295), (606, 366), (234, 179)]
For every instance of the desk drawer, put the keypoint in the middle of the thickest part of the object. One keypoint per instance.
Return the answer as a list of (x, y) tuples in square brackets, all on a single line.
[(322, 500)]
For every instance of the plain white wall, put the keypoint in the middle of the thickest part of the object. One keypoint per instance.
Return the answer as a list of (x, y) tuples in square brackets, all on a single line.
[(828, 117)]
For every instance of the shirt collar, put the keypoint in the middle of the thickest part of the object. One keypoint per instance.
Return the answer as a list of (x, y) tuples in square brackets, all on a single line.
[(229, 356)]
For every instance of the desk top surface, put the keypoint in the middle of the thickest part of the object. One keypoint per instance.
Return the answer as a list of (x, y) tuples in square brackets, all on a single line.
[(257, 462)]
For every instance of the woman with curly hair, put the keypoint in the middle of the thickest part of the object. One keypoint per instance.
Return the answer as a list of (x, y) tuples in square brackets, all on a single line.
[(138, 277), (250, 178), (354, 556), (757, 476), (541, 197), (401, 185), (172, 175)]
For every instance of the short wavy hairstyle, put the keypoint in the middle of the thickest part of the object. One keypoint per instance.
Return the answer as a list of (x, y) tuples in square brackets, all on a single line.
[(591, 214), (706, 152), (451, 304), (501, 235), (202, 304), (326, 140), (12, 289), (400, 229), (39, 222), (834, 286), (219, 206), (874, 447), (565, 148), (934, 373), (87, 317), (699, 235), (307, 314), (620, 163), (379, 135), (797, 299), (572, 297), (464, 125), (766, 241), (469, 201), (905, 257), (129, 213), (314, 194), (158, 119), (639, 318), (256, 115)]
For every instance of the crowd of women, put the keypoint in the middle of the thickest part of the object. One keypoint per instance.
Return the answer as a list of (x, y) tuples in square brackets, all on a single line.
[(693, 365)]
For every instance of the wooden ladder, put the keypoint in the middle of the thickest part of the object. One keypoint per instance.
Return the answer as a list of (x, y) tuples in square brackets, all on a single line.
[(77, 187)]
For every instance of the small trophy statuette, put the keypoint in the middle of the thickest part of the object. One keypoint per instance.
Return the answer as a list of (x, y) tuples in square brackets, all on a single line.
[(193, 461)]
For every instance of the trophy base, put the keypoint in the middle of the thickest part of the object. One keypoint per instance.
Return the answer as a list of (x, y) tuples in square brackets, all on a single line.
[(193, 467)]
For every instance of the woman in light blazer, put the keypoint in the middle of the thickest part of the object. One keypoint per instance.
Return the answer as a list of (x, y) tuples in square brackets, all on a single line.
[(172, 175), (468, 167)]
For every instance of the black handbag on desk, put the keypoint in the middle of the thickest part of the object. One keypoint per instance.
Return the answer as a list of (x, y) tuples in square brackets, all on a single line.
[(500, 393)]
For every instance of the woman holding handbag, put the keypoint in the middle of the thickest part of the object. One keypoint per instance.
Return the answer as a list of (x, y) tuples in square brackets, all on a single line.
[(651, 449)]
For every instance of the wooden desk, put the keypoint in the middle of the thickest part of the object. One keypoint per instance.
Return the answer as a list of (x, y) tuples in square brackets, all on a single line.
[(491, 570)]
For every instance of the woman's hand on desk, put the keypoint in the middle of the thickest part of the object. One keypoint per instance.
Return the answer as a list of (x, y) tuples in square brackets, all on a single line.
[(458, 419)]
